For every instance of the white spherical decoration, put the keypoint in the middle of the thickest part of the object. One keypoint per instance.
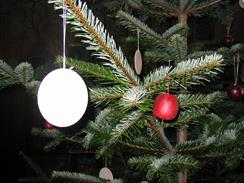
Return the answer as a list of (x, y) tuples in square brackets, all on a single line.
[(62, 97), (241, 3)]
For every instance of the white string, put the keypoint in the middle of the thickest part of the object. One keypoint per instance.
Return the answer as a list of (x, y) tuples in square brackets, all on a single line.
[(64, 31), (138, 38), (106, 162)]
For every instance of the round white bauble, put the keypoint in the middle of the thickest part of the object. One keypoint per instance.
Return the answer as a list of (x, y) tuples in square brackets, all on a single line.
[(241, 3), (62, 97)]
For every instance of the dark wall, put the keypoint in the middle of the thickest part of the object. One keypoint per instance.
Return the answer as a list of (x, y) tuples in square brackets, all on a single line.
[(15, 130), (237, 28), (31, 31)]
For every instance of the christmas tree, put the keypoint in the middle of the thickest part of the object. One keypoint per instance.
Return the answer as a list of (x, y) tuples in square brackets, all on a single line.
[(168, 129)]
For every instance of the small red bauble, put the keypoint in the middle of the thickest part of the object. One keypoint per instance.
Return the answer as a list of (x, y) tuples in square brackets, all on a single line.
[(48, 125), (166, 106), (234, 92), (242, 91), (228, 40)]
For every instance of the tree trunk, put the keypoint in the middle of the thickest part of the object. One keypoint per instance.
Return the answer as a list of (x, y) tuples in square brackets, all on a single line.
[(182, 132), (182, 137), (182, 17)]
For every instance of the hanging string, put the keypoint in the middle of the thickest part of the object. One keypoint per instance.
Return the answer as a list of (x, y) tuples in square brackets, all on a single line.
[(106, 162), (169, 64), (138, 38), (237, 67), (64, 31), (234, 72), (168, 85)]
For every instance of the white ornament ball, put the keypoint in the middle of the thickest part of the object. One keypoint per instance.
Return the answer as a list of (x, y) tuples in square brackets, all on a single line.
[(62, 97), (241, 3)]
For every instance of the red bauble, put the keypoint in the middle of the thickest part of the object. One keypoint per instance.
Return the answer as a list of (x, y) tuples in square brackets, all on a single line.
[(228, 40), (234, 92), (166, 106), (242, 91), (48, 125)]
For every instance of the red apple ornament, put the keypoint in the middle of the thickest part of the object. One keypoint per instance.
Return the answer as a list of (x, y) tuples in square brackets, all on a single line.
[(166, 106), (234, 92), (228, 40), (48, 125)]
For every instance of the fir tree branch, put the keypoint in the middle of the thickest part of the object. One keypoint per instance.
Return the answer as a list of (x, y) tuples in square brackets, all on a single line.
[(53, 144), (201, 6), (6, 70), (190, 146), (107, 94), (198, 54), (101, 127), (233, 161), (133, 98), (104, 116), (73, 140), (83, 20), (178, 48), (125, 125), (47, 133), (200, 100), (195, 71), (141, 162), (164, 5), (189, 116), (156, 77), (55, 135), (144, 148), (160, 167), (32, 87), (137, 4), (133, 24), (177, 162), (99, 72), (159, 131), (237, 48), (122, 129), (157, 55), (216, 154), (24, 72), (7, 75), (178, 28), (187, 73), (87, 140), (77, 177)]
